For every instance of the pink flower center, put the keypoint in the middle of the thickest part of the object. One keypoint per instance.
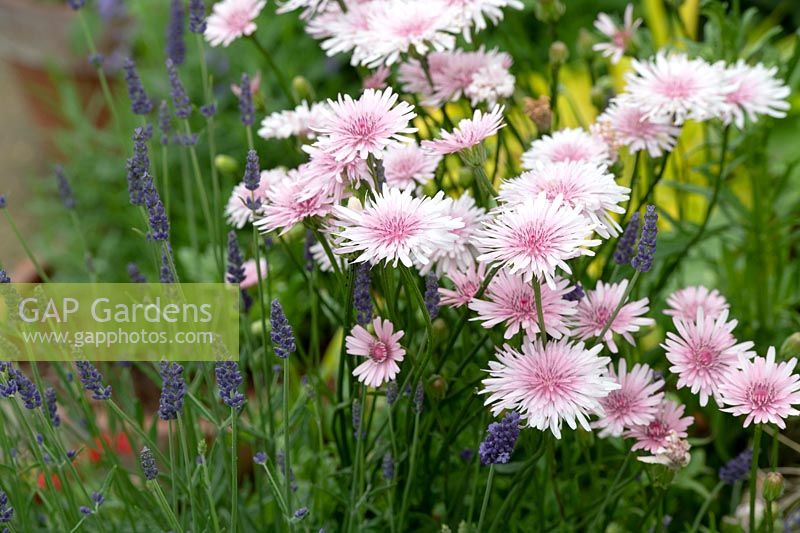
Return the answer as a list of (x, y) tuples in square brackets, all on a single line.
[(552, 382), (363, 127), (395, 228), (657, 430), (761, 394), (620, 39), (524, 305), (617, 402), (676, 88), (534, 241), (238, 20), (705, 356), (378, 352), (601, 315), (569, 152)]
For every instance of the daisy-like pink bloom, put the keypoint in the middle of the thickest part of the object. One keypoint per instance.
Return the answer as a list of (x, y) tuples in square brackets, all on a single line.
[(454, 73), (653, 435), (674, 454), (238, 211), (676, 88), (295, 122), (323, 261), (363, 127), (635, 403), (535, 237), (232, 19), (466, 285), (619, 37), (595, 309), (685, 303), (572, 144), (470, 132), (462, 252), (396, 227), (251, 274), (339, 30), (382, 350), (377, 80), (561, 382), (763, 390), (585, 185), (757, 91), (292, 200), (630, 127), (473, 14), (703, 352), (332, 177), (309, 7), (511, 301), (408, 165)]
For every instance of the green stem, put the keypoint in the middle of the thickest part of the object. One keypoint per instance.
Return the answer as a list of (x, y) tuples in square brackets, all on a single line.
[(622, 301), (234, 472), (39, 270), (188, 473), (287, 463), (275, 70), (486, 494), (537, 296), (162, 503), (263, 308), (410, 478), (754, 475), (212, 504), (100, 72), (698, 519), (617, 478)]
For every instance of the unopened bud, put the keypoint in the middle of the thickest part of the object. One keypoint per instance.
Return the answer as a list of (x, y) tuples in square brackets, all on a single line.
[(302, 88), (773, 486), (538, 109), (437, 386), (439, 326), (559, 53), (226, 164), (583, 46), (791, 346), (549, 11)]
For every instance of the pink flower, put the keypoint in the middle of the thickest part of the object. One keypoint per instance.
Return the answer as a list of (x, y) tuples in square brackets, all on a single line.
[(676, 88), (653, 435), (309, 7), (238, 212), (757, 91), (703, 352), (469, 133), (462, 252), (472, 14), (762, 390), (595, 309), (250, 273), (395, 227), (332, 177), (295, 122), (674, 454), (619, 37), (548, 385), (459, 73), (377, 80), (510, 300), (408, 165), (635, 403), (584, 185), (382, 350), (535, 237), (232, 19), (630, 127), (292, 200), (566, 145), (358, 128), (685, 303), (466, 283)]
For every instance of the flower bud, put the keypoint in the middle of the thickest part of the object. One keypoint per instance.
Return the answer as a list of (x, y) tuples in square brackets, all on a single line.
[(302, 88), (559, 53), (583, 45), (791, 346), (438, 386), (226, 164), (602, 92), (549, 11), (539, 111), (773, 486), (439, 326)]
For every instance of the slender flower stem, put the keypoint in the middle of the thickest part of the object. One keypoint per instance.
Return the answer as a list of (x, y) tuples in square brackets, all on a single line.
[(754, 475), (622, 301), (275, 70), (698, 519), (612, 489), (39, 270), (357, 471), (234, 472), (188, 473), (212, 504), (287, 463), (162, 503), (486, 494), (537, 296), (101, 75), (263, 308), (411, 467)]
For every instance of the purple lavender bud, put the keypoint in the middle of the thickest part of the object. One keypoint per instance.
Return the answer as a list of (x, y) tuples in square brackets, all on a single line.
[(387, 466), (252, 171), (4, 277), (64, 190), (362, 301), (27, 391), (260, 458), (391, 392), (466, 454), (159, 224), (110, 9), (148, 463), (76, 4), (52, 408), (6, 511), (356, 413), (164, 122), (246, 111), (432, 294), (643, 261), (176, 48), (301, 513), (39, 439), (186, 139), (96, 60), (173, 391), (140, 102), (71, 454), (98, 498), (91, 379), (419, 398), (626, 241), (197, 16), (282, 333), (308, 255), (229, 378), (9, 388), (737, 469), (165, 274), (208, 110), (135, 274), (84, 510), (235, 273), (575, 294), (180, 101), (500, 440), (3, 201), (138, 165)]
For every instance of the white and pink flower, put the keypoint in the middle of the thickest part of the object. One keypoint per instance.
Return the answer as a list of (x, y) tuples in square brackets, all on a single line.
[(382, 350)]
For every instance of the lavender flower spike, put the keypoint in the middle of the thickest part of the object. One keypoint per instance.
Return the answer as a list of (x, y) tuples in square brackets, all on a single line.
[(499, 443), (229, 378), (176, 48), (626, 241), (235, 269), (75, 5), (282, 334), (64, 190), (164, 122), (419, 398), (575, 294), (643, 261), (91, 379), (246, 110), (362, 301), (52, 408), (159, 224), (252, 171), (165, 274), (135, 274), (148, 464), (6, 511), (140, 103), (172, 392), (197, 16), (432, 294), (180, 101), (30, 396), (737, 469), (138, 166)]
